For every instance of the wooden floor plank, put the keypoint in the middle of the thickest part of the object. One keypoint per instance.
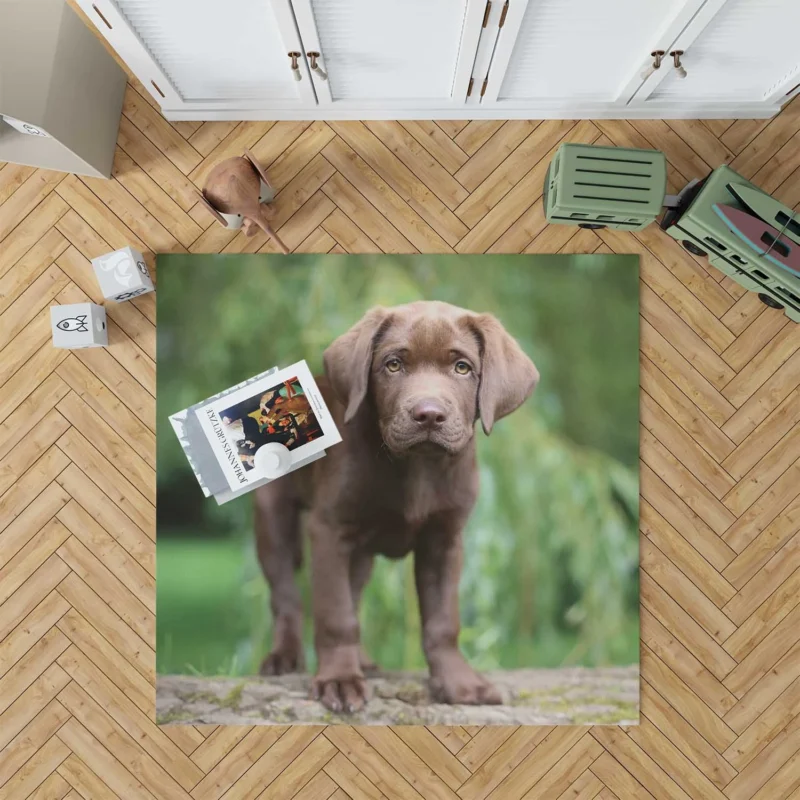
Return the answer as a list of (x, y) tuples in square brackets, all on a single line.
[(31, 702), (12, 176), (31, 629), (28, 525), (476, 133), (503, 762), (774, 609), (105, 584), (390, 204), (108, 477), (159, 131), (429, 171), (35, 478), (109, 624), (688, 595), (485, 161), (25, 199), (101, 763), (402, 180), (683, 303), (346, 197), (155, 164), (227, 755), (114, 521), (84, 782), (437, 143), (498, 183), (685, 665), (766, 435), (638, 763), (35, 735), (345, 775), (293, 158), (767, 508), (684, 743), (685, 702), (683, 555), (153, 198), (720, 448)]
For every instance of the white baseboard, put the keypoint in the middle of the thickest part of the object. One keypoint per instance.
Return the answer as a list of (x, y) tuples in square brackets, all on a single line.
[(650, 111)]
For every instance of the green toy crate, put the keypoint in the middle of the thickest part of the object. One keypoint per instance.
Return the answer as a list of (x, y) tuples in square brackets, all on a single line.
[(702, 232), (605, 187)]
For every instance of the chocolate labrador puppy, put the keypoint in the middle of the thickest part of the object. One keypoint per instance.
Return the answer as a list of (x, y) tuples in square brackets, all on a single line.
[(405, 385)]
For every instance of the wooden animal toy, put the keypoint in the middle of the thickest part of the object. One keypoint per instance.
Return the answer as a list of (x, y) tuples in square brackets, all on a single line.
[(122, 274), (237, 192), (78, 325)]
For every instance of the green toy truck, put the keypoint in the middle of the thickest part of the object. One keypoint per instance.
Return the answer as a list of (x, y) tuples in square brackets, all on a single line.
[(702, 232), (599, 187)]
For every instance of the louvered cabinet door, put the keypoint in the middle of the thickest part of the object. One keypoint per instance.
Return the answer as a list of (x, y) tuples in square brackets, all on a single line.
[(209, 55), (745, 51), (390, 55), (553, 54)]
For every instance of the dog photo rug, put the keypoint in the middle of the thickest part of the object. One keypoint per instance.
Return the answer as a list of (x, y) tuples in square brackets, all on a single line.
[(467, 554)]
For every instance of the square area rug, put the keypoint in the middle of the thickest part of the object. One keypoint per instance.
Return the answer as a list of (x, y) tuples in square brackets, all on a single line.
[(467, 554)]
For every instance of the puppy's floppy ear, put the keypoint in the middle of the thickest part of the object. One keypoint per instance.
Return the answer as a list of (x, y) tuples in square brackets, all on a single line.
[(508, 376), (348, 360)]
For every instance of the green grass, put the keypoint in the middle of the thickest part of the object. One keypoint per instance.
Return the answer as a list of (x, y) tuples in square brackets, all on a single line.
[(213, 618), (201, 619)]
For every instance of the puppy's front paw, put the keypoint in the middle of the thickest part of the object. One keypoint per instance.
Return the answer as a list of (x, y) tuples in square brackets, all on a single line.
[(282, 660), (465, 686), (368, 666), (347, 694)]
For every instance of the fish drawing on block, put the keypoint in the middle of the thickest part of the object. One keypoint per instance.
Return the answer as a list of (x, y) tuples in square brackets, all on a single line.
[(77, 324), (769, 209), (761, 237)]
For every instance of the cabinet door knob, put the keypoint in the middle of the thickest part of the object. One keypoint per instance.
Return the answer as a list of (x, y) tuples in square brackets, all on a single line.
[(676, 57), (295, 66), (313, 56), (657, 55)]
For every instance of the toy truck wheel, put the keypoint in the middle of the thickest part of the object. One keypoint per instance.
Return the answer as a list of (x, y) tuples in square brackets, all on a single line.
[(592, 226), (693, 248), (769, 301)]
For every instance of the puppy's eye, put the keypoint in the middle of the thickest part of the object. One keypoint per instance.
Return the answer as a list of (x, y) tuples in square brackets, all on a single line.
[(393, 365), (462, 368)]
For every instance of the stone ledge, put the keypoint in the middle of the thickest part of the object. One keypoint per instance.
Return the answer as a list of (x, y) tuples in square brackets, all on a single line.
[(570, 696)]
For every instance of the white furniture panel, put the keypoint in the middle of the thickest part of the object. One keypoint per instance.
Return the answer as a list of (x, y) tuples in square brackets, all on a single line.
[(390, 53), (747, 51), (500, 25), (439, 59), (214, 51), (207, 54), (560, 53), (581, 49)]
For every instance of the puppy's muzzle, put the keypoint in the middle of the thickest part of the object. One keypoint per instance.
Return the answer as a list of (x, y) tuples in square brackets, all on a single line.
[(429, 414)]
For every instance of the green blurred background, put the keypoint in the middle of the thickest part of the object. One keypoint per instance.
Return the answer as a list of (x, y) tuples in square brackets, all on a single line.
[(551, 550)]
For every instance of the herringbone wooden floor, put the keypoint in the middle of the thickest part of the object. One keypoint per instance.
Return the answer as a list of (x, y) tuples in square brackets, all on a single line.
[(720, 471)]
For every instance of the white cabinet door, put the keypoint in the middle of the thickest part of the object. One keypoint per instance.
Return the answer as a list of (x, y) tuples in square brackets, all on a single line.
[(578, 53), (744, 51), (390, 55), (231, 55)]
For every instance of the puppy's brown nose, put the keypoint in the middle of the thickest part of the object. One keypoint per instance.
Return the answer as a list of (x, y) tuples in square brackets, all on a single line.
[(429, 414)]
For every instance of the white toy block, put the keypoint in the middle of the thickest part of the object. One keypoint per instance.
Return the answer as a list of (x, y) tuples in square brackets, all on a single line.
[(79, 325), (122, 274)]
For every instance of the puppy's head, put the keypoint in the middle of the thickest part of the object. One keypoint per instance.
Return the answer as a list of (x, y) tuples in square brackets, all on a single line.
[(429, 369)]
